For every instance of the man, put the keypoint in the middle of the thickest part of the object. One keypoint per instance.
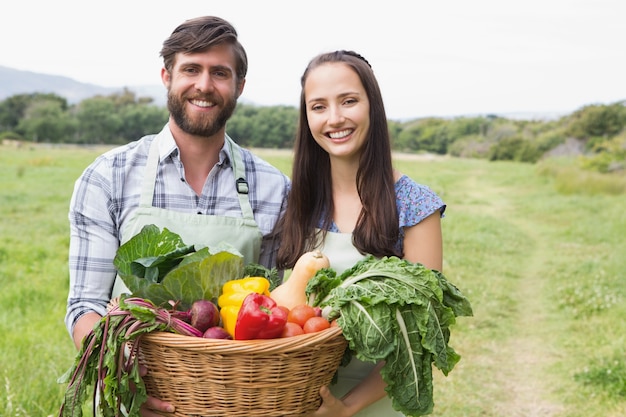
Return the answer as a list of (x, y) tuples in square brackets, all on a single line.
[(191, 177)]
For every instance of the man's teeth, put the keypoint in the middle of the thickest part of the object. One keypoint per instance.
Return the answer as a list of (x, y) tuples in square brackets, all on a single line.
[(202, 103), (340, 134)]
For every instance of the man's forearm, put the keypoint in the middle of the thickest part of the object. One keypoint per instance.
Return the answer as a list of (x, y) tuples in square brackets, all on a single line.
[(83, 326)]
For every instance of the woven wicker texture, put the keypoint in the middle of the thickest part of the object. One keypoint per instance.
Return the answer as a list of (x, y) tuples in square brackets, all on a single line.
[(232, 378)]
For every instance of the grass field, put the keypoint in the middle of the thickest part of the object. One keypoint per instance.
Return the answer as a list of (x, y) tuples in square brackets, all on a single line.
[(544, 271)]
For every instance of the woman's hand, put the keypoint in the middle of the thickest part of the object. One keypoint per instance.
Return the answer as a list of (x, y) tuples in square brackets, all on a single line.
[(331, 405), (368, 391)]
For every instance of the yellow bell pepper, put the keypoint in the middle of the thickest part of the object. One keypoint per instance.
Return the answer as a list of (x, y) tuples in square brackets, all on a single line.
[(233, 294)]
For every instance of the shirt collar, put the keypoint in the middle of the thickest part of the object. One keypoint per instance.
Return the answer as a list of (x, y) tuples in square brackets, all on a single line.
[(167, 144), (168, 147)]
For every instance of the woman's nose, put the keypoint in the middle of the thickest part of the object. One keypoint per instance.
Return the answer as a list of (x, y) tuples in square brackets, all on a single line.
[(335, 115)]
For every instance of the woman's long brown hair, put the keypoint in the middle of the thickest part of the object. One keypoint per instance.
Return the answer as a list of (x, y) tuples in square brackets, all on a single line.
[(310, 199)]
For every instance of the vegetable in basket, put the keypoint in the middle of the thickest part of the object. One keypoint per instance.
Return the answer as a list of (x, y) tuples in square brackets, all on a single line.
[(235, 290), (399, 312), (292, 291), (165, 278), (103, 363), (158, 266), (204, 315), (232, 295), (259, 318)]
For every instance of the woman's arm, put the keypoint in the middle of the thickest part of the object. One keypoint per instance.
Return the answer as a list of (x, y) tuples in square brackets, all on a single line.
[(423, 242)]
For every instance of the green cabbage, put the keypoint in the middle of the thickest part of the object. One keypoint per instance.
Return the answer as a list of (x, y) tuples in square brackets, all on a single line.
[(157, 265)]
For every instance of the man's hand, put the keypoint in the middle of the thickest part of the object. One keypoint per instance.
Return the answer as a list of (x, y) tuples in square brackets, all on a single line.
[(153, 407)]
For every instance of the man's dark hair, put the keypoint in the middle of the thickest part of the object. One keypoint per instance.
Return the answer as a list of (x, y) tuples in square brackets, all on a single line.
[(200, 34)]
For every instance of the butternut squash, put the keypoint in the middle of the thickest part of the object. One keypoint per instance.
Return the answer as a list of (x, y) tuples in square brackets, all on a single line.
[(291, 292)]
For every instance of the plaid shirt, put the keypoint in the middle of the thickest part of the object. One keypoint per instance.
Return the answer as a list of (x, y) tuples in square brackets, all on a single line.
[(109, 189)]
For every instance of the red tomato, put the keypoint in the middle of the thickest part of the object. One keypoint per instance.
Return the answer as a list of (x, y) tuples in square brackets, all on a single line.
[(291, 329), (315, 324), (285, 309), (300, 314)]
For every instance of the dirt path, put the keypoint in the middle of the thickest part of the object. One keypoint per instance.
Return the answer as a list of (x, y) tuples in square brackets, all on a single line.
[(528, 352)]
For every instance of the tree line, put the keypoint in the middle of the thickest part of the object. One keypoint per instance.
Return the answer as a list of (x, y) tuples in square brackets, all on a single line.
[(598, 130)]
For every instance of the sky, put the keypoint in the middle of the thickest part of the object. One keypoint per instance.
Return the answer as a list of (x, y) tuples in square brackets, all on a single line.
[(440, 58)]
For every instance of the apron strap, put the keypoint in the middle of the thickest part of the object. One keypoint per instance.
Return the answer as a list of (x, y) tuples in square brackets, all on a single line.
[(240, 178), (149, 179)]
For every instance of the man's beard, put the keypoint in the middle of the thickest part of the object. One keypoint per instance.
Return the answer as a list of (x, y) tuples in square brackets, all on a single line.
[(201, 125)]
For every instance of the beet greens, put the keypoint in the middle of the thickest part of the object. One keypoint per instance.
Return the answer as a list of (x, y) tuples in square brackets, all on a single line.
[(108, 360)]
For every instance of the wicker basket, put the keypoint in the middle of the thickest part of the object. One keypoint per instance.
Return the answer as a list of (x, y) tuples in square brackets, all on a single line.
[(230, 378)]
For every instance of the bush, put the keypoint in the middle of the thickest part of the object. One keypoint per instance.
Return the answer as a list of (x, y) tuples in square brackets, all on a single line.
[(472, 146), (10, 135), (608, 156), (598, 121)]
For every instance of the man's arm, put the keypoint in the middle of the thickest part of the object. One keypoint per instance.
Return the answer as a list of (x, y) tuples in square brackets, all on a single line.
[(83, 326)]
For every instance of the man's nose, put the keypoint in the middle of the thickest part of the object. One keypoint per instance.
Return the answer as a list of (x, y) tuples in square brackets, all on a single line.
[(204, 83)]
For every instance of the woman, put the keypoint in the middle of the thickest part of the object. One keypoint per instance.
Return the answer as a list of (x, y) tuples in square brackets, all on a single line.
[(348, 200)]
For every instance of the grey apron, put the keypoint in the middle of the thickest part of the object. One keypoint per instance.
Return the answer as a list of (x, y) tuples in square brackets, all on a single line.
[(194, 229), (343, 255)]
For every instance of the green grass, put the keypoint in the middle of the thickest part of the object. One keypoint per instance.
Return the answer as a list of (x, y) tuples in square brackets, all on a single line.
[(543, 266)]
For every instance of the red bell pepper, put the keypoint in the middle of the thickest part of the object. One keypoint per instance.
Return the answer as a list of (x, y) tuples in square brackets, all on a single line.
[(259, 318)]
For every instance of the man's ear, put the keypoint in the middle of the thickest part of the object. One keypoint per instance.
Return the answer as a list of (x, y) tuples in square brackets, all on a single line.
[(166, 77), (240, 87)]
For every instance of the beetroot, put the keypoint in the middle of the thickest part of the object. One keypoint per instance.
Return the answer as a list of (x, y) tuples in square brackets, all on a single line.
[(216, 332), (108, 362), (204, 314)]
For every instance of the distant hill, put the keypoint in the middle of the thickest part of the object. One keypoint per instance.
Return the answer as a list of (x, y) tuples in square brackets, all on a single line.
[(13, 81)]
